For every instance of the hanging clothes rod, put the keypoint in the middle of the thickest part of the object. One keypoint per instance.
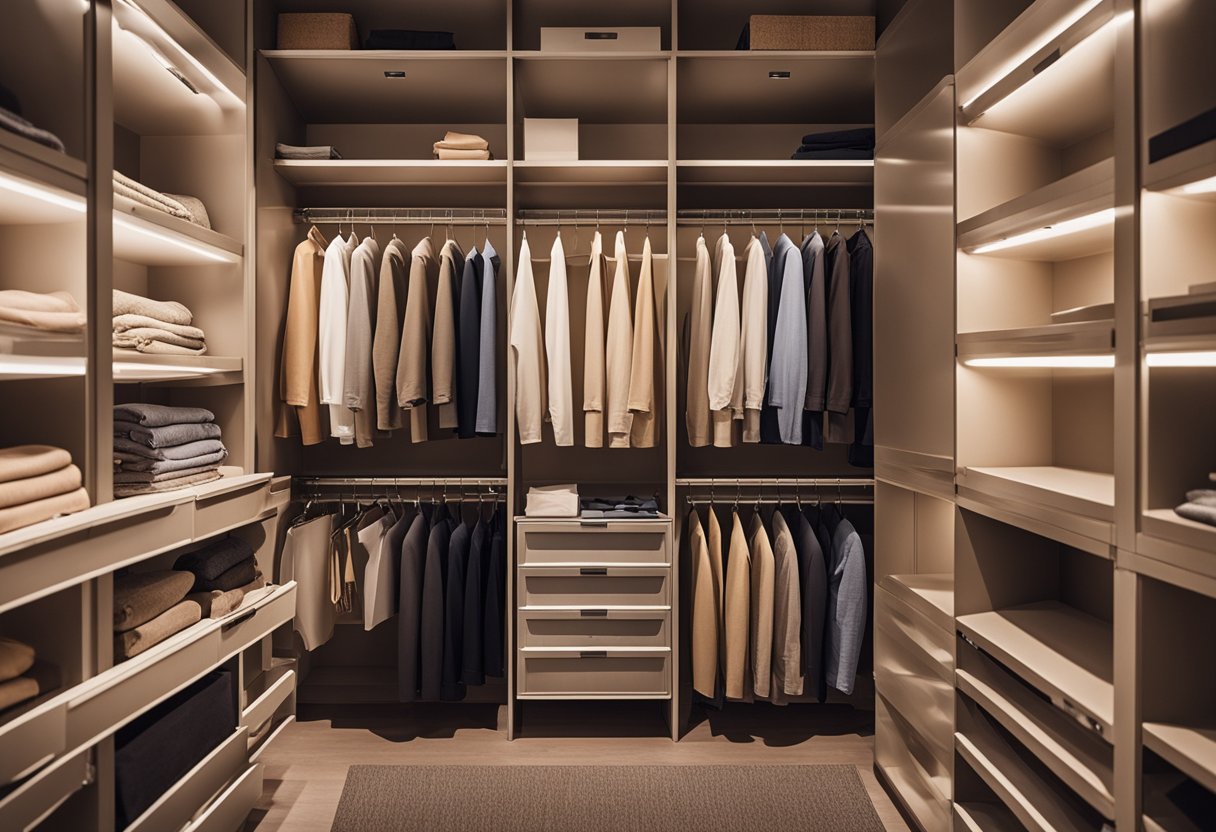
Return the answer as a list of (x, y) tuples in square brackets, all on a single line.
[(393, 482), (403, 216), (782, 500), (776, 482), (752, 490), (591, 216), (769, 216)]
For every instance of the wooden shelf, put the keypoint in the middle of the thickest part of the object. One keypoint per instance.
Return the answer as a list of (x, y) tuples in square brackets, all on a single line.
[(150, 237), (39, 162), (1084, 193), (131, 367), (28, 353), (590, 55), (392, 172), (1186, 544), (973, 816), (1087, 338), (735, 88), (1161, 814), (592, 172), (1181, 323), (1191, 749), (1060, 650), (790, 172), (931, 595), (1031, 489), (1049, 75), (40, 195), (1174, 173), (350, 87)]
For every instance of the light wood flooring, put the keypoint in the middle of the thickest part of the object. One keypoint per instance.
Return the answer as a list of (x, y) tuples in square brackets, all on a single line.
[(306, 767)]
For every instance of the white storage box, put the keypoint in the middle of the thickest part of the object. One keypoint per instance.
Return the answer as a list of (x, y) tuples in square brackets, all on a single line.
[(550, 139), (610, 39), (552, 501)]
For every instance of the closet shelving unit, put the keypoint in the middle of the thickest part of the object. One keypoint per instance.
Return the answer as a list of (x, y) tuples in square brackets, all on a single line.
[(114, 105)]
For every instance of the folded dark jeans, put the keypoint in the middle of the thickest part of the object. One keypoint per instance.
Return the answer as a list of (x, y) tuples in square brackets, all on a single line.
[(855, 137), (159, 415), (132, 462), (838, 154), (215, 558), (166, 436)]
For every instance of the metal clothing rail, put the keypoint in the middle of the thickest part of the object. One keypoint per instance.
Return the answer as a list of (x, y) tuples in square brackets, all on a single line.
[(589, 216), (752, 216), (403, 216), (777, 482), (392, 482), (752, 490)]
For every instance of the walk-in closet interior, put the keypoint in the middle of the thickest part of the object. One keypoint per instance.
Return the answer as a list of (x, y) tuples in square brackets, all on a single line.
[(657, 414)]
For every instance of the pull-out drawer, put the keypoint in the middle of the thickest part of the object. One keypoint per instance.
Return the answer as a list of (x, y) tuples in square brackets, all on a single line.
[(272, 689), (914, 690), (593, 586), (257, 619), (228, 811), (917, 776), (229, 503), (279, 494), (906, 629), (609, 673), (32, 738), (27, 805), (595, 628), (180, 803), (603, 542)]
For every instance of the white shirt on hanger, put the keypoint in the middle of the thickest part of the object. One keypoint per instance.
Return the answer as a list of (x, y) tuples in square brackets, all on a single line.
[(527, 348), (618, 360), (557, 347), (754, 338), (335, 288), (725, 378), (593, 349)]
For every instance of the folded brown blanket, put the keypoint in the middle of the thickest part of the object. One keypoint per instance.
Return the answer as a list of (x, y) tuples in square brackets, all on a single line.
[(15, 691), (22, 461), (51, 312), (167, 436), (134, 489), (141, 596), (168, 311), (128, 449), (20, 492), (216, 558), (231, 578), (215, 603), (173, 620), (27, 514), (129, 463), (135, 323), (15, 658), (159, 415), (151, 478)]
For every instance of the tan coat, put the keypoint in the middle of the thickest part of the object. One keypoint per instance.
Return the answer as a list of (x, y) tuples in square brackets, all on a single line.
[(738, 612), (443, 345), (700, 314), (725, 379), (412, 392), (787, 615), (298, 392), (593, 348), (761, 607), (713, 537), (642, 401), (704, 611), (386, 345), (618, 352)]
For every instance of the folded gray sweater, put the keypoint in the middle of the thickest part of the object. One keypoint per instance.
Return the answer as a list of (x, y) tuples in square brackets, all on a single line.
[(171, 312), (159, 415), (127, 448), (136, 464), (215, 558), (166, 436)]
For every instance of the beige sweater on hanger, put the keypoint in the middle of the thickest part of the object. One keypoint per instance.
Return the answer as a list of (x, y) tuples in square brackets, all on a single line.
[(618, 360), (443, 345), (386, 344), (700, 314), (642, 401), (412, 393), (593, 348)]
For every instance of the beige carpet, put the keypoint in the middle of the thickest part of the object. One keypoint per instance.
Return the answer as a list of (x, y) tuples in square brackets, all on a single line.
[(603, 798)]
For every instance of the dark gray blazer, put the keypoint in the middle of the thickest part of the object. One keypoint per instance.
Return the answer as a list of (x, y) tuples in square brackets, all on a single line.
[(472, 671), (451, 688), (409, 605), (431, 631)]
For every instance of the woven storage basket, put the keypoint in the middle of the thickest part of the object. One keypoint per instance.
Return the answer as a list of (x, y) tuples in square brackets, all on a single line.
[(812, 32), (317, 31)]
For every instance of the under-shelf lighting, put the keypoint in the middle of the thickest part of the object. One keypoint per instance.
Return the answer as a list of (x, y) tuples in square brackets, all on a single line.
[(1203, 186), (176, 241), (1203, 358), (163, 37), (135, 370), (47, 195), (1059, 362), (25, 365), (1047, 232)]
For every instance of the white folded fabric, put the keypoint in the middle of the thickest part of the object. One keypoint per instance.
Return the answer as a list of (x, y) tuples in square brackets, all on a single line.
[(552, 501)]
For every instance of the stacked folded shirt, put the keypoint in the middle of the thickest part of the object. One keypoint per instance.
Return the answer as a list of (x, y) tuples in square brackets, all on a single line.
[(837, 144), (38, 482), (1200, 506), (21, 676), (49, 311), (155, 326), (316, 151), (12, 121), (224, 571), (188, 208), (159, 448), (149, 607), (462, 146), (619, 508)]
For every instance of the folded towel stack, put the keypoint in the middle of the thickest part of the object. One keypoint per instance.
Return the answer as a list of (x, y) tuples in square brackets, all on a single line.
[(188, 208), (837, 144), (38, 482), (49, 312), (462, 146), (155, 326), (21, 677), (225, 571), (159, 448), (149, 607), (316, 151), (1200, 506)]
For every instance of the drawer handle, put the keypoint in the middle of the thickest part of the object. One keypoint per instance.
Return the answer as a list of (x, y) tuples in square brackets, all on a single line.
[(600, 35), (594, 613), (596, 524), (593, 570), (240, 619), (593, 654)]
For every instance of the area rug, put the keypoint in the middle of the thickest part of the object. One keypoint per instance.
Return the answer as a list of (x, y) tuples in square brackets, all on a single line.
[(603, 798)]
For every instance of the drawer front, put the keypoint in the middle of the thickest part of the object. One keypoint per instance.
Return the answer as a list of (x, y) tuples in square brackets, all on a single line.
[(594, 673), (259, 743), (25, 806), (228, 812), (121, 693), (921, 698), (595, 628), (258, 712), (230, 503), (180, 803), (594, 545), (598, 587), (901, 628), (279, 494), (922, 784), (253, 623), (32, 739)]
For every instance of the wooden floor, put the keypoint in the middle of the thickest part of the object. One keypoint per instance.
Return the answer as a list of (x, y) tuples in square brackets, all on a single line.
[(306, 767)]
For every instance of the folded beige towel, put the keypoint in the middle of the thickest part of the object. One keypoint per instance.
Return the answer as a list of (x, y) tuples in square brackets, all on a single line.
[(15, 691), (144, 334), (20, 492), (171, 621), (141, 596), (15, 658), (195, 208), (167, 311), (217, 604), (22, 461), (462, 141), (141, 193), (50, 311), (134, 489), (151, 346), (128, 323), (448, 153), (27, 514)]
